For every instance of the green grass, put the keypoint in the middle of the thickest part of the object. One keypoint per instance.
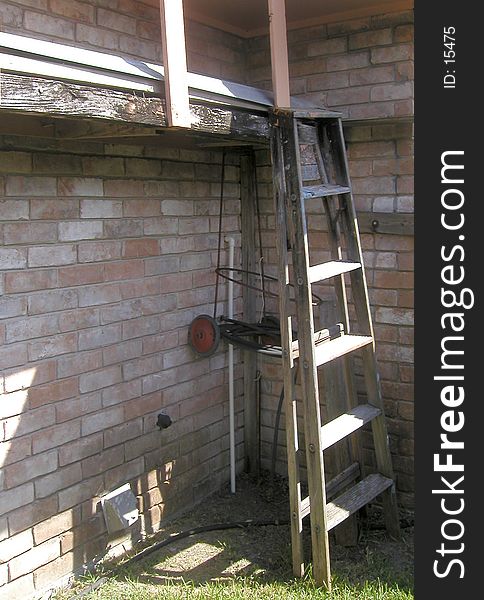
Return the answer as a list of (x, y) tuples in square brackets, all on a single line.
[(370, 574)]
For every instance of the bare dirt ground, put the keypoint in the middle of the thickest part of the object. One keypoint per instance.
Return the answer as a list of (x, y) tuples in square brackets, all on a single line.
[(265, 552)]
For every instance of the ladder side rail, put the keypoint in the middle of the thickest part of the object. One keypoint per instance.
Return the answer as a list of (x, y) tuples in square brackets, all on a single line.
[(372, 379), (308, 370), (290, 403)]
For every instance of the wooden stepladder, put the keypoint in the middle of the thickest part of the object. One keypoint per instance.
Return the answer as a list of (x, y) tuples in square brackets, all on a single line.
[(292, 132)]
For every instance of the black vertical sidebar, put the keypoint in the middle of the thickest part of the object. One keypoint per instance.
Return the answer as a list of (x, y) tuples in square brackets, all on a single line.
[(449, 264)]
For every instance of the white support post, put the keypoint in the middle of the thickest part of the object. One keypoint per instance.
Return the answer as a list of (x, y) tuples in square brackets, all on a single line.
[(175, 63), (279, 55)]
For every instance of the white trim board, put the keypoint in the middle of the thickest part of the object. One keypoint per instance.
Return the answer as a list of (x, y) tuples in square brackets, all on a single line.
[(138, 75)]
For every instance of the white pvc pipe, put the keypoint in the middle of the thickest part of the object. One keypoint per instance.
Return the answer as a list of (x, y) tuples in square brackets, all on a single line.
[(230, 309)]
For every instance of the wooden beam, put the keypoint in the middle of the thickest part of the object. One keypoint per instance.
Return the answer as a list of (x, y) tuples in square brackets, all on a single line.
[(248, 229), (175, 62), (391, 223), (32, 95), (279, 54)]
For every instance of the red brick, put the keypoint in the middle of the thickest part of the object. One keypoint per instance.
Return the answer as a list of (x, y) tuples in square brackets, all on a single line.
[(371, 149), (118, 394), (23, 233), (53, 346), (101, 209), (142, 366), (122, 352), (80, 275), (368, 39), (99, 251), (53, 392), (35, 512), (82, 362), (120, 433), (54, 209), (80, 186), (15, 498), (102, 165), (391, 91), (159, 342), (140, 327), (353, 60), (52, 300), (123, 228), (56, 436), (404, 71), (15, 545), (30, 186), (57, 164), (403, 33), (56, 525), (80, 230), (99, 337), (99, 463), (30, 468), (140, 248), (394, 280), (96, 380), (143, 167), (48, 25), (15, 450), (137, 288), (79, 492), (13, 355), (127, 471), (127, 269), (393, 242), (142, 406), (13, 258), (19, 379), (13, 210), (23, 587), (72, 408), (391, 54), (78, 319), (97, 37), (124, 188), (55, 254), (405, 184), (160, 226), (142, 207), (75, 451), (406, 298), (99, 294)]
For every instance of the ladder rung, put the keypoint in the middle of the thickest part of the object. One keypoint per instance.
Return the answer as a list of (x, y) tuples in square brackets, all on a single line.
[(333, 486), (331, 349), (355, 498), (322, 191), (331, 269), (347, 423)]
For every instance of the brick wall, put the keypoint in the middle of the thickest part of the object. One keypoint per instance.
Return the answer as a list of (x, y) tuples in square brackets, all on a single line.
[(107, 253), (123, 27), (363, 68)]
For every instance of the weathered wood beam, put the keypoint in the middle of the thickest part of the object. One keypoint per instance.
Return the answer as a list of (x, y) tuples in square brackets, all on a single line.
[(249, 248), (279, 54), (31, 95), (391, 223), (175, 63)]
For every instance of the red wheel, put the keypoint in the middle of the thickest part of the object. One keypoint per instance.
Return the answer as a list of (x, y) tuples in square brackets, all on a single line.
[(204, 335)]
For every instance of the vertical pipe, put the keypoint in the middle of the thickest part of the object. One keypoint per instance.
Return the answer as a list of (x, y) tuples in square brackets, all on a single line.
[(230, 309)]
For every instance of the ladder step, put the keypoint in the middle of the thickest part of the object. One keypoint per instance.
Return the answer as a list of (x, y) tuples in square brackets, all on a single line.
[(355, 498), (331, 349), (324, 335), (342, 480), (322, 191), (347, 423), (331, 269)]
